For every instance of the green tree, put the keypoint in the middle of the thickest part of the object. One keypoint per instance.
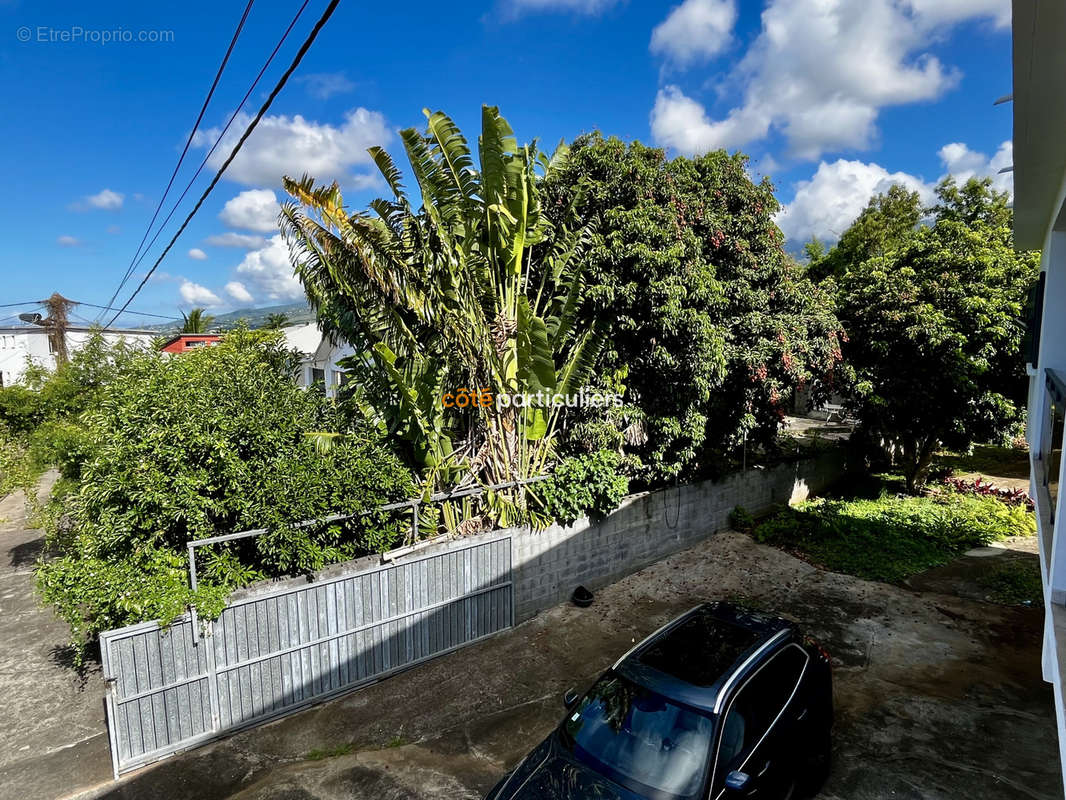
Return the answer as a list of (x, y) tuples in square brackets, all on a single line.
[(933, 332), (712, 324), (441, 297), (196, 321), (276, 321), (886, 223), (213, 442)]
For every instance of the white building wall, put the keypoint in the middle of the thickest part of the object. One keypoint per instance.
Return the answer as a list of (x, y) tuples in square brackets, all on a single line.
[(1050, 525), (19, 346)]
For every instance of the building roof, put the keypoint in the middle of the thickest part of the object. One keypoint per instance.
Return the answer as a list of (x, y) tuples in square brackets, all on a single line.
[(304, 338), (1039, 120), (177, 337)]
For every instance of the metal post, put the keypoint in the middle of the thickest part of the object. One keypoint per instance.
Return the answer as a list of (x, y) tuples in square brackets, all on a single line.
[(414, 521), (193, 586)]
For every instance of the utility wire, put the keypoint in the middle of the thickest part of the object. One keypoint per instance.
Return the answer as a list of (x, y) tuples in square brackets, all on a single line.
[(185, 150), (138, 313), (237, 147), (218, 141)]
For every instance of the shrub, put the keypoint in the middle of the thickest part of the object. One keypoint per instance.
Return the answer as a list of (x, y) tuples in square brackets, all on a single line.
[(588, 485), (740, 519), (62, 443), (891, 538), (21, 408), (17, 469), (211, 442)]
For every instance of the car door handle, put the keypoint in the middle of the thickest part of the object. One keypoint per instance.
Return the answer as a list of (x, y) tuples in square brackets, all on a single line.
[(802, 715), (764, 770)]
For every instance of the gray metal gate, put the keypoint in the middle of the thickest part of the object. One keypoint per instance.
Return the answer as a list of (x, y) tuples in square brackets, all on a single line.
[(273, 653)]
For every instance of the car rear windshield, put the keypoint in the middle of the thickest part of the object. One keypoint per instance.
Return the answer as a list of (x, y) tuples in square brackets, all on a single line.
[(640, 739)]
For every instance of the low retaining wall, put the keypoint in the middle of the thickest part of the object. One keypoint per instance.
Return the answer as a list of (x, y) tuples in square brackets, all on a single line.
[(548, 564)]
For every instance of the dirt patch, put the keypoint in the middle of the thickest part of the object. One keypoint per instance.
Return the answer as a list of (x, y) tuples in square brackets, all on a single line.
[(937, 696)]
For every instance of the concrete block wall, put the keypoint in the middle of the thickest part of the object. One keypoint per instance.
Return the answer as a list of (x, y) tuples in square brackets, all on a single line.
[(549, 564)]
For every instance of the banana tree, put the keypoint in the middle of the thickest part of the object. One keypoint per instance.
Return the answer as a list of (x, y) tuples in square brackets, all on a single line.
[(448, 291)]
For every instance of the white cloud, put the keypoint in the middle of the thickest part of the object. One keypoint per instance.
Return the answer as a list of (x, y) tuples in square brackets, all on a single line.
[(949, 11), (253, 210), (819, 72), (324, 85), (239, 292), (105, 200), (68, 241), (834, 196), (230, 239), (196, 295), (114, 229), (197, 254), (680, 122), (270, 271), (963, 163), (695, 30), (827, 203), (282, 145)]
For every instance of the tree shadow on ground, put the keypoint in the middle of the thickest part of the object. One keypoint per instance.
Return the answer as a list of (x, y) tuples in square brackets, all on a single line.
[(27, 553)]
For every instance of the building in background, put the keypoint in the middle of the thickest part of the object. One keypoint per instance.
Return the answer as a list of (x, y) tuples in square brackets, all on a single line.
[(1039, 63), (183, 342), (22, 344), (318, 366)]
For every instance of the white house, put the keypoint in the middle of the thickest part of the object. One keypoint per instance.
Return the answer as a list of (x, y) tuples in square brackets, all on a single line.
[(23, 343), (1040, 222), (320, 356)]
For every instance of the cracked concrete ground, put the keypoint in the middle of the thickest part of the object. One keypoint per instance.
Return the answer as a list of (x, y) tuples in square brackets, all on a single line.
[(52, 735), (938, 696)]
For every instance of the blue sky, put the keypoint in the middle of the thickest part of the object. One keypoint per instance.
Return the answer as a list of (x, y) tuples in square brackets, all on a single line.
[(834, 99)]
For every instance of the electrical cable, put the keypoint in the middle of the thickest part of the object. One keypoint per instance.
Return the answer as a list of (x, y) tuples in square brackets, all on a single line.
[(185, 150), (236, 149)]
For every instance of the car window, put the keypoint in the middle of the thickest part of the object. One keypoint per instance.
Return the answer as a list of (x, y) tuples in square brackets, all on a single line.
[(755, 707), (640, 739)]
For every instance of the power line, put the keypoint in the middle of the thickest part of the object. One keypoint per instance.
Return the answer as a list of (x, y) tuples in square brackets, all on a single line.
[(138, 313), (89, 305), (236, 149), (214, 147), (188, 143)]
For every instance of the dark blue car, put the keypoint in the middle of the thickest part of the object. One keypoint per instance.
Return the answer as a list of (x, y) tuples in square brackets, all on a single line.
[(720, 703)]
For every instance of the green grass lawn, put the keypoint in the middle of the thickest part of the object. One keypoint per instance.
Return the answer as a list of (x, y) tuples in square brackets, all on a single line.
[(877, 534), (989, 460), (1015, 582)]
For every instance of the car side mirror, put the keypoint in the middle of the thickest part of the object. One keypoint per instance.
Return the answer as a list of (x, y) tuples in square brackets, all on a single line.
[(570, 699), (738, 782)]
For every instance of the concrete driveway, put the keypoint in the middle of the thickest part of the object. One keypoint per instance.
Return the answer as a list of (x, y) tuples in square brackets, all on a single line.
[(938, 696)]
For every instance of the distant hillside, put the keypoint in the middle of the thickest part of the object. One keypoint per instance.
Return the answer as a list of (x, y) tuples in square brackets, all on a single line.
[(298, 313)]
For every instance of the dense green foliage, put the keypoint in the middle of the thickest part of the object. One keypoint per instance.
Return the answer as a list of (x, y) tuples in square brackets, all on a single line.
[(214, 441), (933, 337), (882, 227), (438, 298), (892, 537), (712, 324), (588, 485)]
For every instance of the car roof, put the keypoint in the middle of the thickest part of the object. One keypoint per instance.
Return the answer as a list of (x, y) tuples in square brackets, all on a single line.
[(692, 658)]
